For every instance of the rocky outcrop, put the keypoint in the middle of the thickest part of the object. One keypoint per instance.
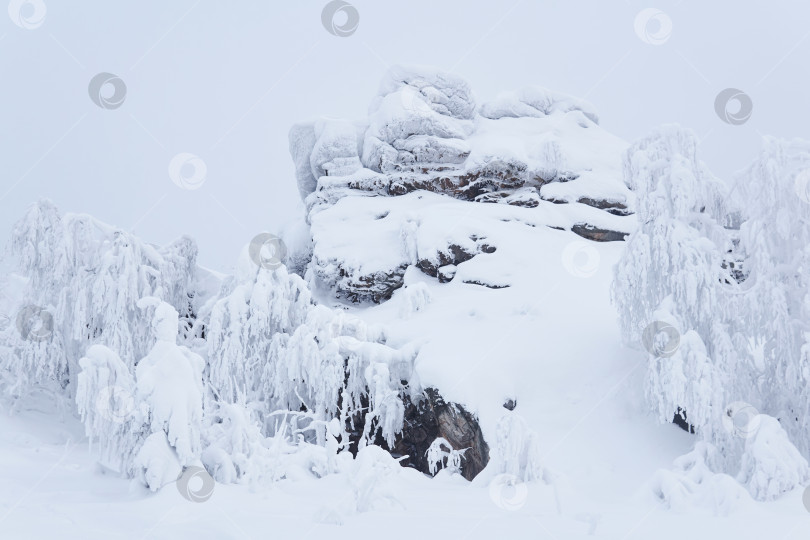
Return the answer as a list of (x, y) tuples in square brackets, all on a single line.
[(533, 149), (428, 417)]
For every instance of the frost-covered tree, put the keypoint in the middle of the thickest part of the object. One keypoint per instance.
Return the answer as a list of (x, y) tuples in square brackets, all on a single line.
[(170, 382), (669, 273), (737, 299), (114, 420), (516, 449), (441, 455), (147, 423), (271, 348), (772, 307), (87, 277)]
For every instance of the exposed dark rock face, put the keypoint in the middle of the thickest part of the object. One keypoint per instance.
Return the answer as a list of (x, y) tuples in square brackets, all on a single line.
[(679, 419), (377, 287), (427, 417), (617, 208), (596, 234), (447, 273), (510, 404), (498, 181), (452, 256)]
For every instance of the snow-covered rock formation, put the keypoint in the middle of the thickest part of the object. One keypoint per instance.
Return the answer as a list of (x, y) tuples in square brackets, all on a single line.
[(426, 135)]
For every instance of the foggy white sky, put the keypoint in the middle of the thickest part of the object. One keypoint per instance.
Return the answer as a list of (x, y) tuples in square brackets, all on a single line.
[(225, 80)]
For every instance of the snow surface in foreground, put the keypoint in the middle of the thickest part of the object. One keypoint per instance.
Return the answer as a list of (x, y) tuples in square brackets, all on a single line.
[(551, 343)]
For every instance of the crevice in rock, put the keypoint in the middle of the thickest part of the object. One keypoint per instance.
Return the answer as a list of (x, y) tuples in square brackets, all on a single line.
[(487, 285)]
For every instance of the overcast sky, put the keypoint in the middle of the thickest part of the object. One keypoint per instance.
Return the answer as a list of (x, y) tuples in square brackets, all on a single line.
[(225, 80)]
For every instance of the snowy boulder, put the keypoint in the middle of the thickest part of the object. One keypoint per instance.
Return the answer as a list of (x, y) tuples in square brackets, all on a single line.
[(362, 246), (331, 189), (534, 101), (335, 152), (324, 148), (419, 122), (361, 256), (445, 93), (302, 141), (404, 132)]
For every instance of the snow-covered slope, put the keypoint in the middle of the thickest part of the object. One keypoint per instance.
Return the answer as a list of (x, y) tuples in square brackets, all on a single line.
[(450, 295)]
